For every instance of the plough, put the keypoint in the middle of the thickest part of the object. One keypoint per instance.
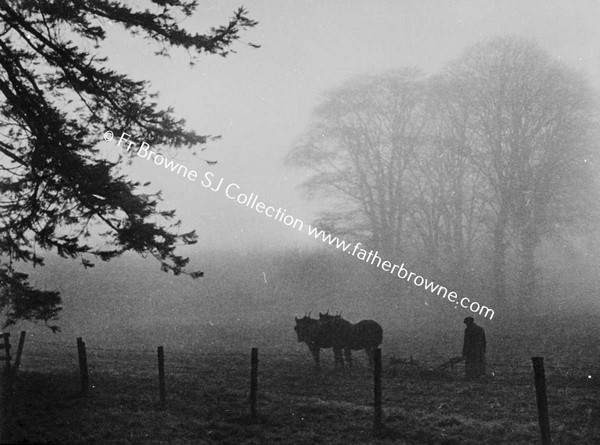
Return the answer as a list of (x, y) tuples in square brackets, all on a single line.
[(458, 359), (449, 363)]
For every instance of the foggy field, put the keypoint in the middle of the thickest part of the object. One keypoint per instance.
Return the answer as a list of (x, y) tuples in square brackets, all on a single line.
[(204, 178), (208, 387)]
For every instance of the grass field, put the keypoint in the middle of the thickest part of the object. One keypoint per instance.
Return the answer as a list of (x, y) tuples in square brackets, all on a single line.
[(208, 389)]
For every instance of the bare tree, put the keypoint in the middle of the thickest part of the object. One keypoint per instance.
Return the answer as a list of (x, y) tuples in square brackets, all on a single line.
[(493, 154), (362, 146), (532, 127), (451, 199)]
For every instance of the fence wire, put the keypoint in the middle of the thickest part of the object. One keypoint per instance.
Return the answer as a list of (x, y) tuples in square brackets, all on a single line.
[(107, 359)]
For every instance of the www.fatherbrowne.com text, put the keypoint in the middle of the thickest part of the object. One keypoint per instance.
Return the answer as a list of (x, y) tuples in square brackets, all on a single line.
[(232, 192), (402, 273)]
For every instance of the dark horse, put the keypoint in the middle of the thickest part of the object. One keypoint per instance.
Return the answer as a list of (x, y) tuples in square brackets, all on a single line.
[(332, 331), (366, 334), (318, 335)]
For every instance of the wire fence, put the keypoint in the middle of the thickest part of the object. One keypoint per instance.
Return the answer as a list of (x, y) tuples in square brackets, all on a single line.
[(102, 358), (196, 371)]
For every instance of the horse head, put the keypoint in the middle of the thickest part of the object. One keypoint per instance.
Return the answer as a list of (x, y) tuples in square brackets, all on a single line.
[(305, 328)]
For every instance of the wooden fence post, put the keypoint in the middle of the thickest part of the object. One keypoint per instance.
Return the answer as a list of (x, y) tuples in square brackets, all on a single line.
[(5, 390), (253, 381), (377, 423), (19, 353), (542, 401), (6, 347), (83, 366), (161, 375)]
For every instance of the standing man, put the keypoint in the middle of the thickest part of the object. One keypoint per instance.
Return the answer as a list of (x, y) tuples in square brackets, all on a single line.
[(474, 350)]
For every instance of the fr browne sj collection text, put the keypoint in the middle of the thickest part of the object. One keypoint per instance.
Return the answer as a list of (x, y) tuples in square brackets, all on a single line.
[(251, 201)]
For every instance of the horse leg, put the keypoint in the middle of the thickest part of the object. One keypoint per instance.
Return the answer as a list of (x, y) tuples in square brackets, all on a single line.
[(338, 358), (370, 354), (315, 352), (348, 354)]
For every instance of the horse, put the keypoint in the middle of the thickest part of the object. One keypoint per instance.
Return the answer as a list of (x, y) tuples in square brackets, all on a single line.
[(366, 334), (319, 335)]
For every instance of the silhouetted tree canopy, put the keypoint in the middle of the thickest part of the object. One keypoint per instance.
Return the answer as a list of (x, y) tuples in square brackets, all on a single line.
[(475, 165), (57, 97)]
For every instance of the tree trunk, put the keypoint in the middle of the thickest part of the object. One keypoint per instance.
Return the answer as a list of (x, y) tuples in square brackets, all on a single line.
[(527, 276), (460, 261), (499, 256)]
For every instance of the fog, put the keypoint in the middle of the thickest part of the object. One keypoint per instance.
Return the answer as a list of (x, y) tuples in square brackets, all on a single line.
[(260, 101)]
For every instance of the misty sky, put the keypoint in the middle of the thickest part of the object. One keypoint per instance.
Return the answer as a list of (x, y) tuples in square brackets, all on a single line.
[(260, 100)]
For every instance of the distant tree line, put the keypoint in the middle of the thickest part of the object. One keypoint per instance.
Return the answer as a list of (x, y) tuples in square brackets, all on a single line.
[(473, 166)]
